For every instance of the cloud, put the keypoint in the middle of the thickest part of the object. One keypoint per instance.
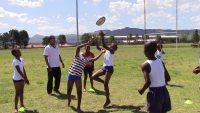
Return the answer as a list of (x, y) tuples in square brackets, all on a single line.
[(49, 27), (161, 13), (58, 16), (43, 18), (85, 2), (41, 33), (196, 19), (3, 25), (82, 28), (32, 21), (24, 3), (21, 17), (8, 14), (71, 19), (185, 6), (113, 27), (121, 7), (96, 1)]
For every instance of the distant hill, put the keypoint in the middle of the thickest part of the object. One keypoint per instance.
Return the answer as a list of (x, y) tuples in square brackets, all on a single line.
[(37, 39), (71, 38)]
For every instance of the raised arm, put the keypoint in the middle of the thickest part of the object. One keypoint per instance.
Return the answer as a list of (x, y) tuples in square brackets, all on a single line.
[(96, 57), (82, 45), (167, 76), (102, 34), (145, 69), (96, 42)]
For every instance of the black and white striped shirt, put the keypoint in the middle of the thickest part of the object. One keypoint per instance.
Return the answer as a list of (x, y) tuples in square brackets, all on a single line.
[(78, 65)]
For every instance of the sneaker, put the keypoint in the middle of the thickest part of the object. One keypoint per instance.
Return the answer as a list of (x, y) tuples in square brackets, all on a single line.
[(22, 109)]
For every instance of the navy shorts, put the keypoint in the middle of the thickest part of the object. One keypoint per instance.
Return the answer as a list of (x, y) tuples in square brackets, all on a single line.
[(109, 69), (15, 81), (158, 100), (73, 77), (88, 70)]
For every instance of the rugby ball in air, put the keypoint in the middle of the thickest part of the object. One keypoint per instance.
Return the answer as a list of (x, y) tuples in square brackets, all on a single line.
[(100, 21)]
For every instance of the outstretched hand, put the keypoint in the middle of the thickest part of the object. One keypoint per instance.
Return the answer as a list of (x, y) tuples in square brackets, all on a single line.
[(101, 33), (89, 42), (103, 50), (94, 36)]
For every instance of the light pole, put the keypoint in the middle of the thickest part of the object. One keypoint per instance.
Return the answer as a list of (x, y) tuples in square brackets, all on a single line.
[(144, 21), (176, 22), (77, 22)]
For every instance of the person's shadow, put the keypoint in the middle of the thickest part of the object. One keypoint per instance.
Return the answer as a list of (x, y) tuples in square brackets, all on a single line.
[(98, 92), (31, 111), (64, 96), (171, 85), (135, 109), (115, 108)]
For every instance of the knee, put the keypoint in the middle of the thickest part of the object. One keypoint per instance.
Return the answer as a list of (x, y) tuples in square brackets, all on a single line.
[(69, 90), (93, 77), (105, 84), (85, 77), (17, 93), (22, 91), (79, 92)]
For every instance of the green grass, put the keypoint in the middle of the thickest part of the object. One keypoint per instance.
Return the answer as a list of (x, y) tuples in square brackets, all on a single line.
[(125, 81)]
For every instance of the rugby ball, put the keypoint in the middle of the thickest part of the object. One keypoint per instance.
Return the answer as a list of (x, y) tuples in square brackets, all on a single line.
[(100, 21)]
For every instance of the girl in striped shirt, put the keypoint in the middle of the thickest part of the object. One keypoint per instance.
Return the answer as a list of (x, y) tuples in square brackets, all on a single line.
[(75, 72)]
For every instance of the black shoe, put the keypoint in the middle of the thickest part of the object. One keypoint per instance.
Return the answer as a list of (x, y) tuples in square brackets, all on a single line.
[(57, 91)]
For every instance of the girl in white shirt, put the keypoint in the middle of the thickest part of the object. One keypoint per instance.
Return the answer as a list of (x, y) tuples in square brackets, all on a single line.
[(160, 53), (108, 68), (19, 78)]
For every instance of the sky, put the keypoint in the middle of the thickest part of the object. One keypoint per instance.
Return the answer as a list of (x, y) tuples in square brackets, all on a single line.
[(55, 17)]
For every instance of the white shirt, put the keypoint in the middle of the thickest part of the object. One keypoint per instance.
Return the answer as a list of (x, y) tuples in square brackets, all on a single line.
[(21, 64), (157, 74), (108, 59), (52, 55), (159, 55)]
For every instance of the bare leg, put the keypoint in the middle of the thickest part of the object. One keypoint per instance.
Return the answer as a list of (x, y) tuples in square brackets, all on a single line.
[(69, 91), (107, 79), (17, 94), (79, 93), (85, 80), (22, 93), (96, 76), (91, 81)]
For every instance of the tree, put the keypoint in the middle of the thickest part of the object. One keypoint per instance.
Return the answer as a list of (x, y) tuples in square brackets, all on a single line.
[(85, 37), (136, 36), (111, 39), (24, 38), (4, 39), (11, 39), (129, 38), (45, 40), (158, 38), (171, 39), (184, 36), (61, 39), (195, 36)]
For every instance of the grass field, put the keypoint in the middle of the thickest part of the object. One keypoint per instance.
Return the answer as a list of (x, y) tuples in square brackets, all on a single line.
[(124, 83)]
